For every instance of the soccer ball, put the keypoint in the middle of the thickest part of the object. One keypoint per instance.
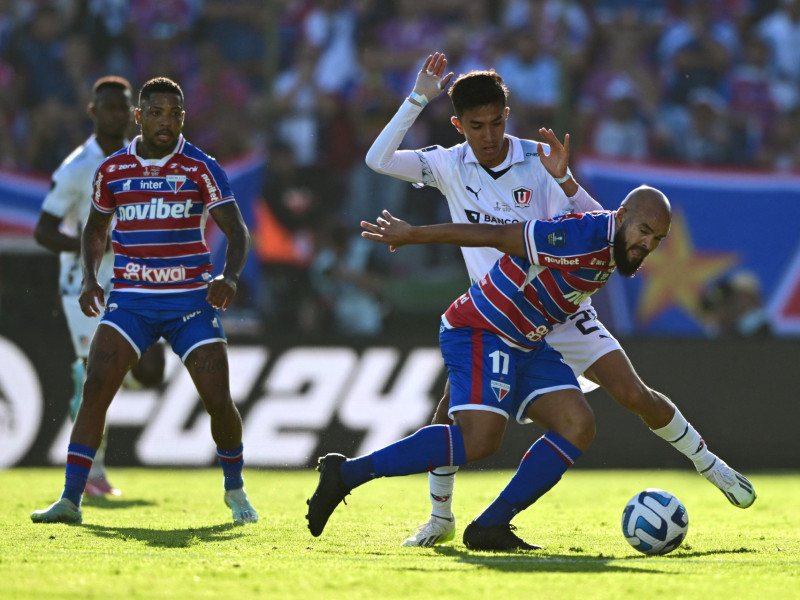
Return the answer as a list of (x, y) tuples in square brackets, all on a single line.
[(654, 522)]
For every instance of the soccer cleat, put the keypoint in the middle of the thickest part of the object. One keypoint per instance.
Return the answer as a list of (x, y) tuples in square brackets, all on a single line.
[(437, 530), (330, 491), (63, 511), (97, 487), (736, 487), (495, 537), (243, 512)]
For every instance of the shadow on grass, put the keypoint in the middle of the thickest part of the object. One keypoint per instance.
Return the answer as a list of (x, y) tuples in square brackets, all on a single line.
[(168, 538), (520, 560), (104, 502), (523, 561)]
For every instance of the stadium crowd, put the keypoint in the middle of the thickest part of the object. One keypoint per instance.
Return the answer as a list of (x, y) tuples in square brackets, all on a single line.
[(310, 83)]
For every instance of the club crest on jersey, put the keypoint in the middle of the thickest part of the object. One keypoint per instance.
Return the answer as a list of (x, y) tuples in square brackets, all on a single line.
[(557, 239), (522, 196), (500, 389), (175, 182)]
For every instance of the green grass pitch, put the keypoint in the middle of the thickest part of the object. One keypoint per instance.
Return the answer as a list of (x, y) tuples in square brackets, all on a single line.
[(171, 536)]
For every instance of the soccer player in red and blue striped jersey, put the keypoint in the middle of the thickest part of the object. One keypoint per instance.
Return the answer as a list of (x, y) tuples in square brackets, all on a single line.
[(493, 340), (158, 191)]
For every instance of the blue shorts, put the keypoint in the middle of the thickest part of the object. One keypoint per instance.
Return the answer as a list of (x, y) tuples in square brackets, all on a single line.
[(487, 374), (186, 322)]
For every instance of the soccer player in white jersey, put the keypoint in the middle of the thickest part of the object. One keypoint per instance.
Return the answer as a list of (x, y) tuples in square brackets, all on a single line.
[(61, 220), (496, 178)]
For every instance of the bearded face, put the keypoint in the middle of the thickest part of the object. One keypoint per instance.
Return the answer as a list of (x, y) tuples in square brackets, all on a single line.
[(628, 255)]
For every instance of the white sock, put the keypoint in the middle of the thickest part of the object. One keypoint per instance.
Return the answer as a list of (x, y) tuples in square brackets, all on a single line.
[(99, 464), (441, 482), (685, 439)]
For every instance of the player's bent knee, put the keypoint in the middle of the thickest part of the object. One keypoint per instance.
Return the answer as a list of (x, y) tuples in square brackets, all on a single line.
[(478, 449), (579, 429)]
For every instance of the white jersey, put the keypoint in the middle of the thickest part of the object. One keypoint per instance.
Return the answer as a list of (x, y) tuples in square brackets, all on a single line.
[(69, 199), (519, 189)]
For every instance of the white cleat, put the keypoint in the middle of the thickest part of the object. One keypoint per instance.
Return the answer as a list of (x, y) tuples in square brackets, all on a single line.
[(736, 487), (436, 531), (243, 511), (63, 511)]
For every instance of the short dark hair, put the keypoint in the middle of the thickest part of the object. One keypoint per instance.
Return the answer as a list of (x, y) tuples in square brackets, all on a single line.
[(159, 85), (111, 82), (476, 89)]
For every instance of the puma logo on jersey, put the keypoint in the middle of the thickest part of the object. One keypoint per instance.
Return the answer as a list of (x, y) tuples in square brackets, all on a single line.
[(469, 189)]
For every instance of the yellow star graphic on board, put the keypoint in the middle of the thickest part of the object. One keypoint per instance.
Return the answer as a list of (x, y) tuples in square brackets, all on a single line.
[(676, 274)]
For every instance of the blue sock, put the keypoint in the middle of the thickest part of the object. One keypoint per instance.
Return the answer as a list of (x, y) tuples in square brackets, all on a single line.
[(541, 468), (428, 448), (79, 463), (232, 462)]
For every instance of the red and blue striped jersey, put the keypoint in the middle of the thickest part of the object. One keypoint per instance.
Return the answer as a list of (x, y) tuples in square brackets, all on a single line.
[(520, 299), (160, 208)]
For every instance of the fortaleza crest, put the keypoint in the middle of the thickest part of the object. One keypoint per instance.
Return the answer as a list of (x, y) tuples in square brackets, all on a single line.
[(500, 389), (522, 196), (175, 182)]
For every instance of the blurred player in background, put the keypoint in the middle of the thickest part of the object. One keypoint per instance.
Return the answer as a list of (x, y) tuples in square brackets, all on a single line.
[(64, 213), (157, 192), (499, 364), (498, 178)]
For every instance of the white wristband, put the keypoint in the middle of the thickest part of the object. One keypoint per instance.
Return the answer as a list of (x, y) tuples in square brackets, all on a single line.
[(565, 178), (421, 98)]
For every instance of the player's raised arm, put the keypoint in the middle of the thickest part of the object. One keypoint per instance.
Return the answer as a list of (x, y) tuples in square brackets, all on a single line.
[(395, 232), (94, 241), (384, 155), (229, 219)]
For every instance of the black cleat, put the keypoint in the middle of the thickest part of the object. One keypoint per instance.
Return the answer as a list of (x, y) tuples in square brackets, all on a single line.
[(495, 537), (330, 491)]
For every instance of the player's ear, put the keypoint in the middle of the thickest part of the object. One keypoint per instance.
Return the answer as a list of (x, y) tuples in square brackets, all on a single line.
[(91, 110), (619, 218), (137, 115), (457, 124)]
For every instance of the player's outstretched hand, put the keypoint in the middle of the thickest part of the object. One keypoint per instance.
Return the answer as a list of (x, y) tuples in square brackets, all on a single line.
[(388, 230), (557, 161), (431, 78), (221, 291)]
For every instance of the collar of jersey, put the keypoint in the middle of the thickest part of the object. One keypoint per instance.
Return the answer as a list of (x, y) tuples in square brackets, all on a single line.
[(514, 147), (160, 162)]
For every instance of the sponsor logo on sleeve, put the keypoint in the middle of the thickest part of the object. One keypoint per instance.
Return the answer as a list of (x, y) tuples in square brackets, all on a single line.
[(213, 196)]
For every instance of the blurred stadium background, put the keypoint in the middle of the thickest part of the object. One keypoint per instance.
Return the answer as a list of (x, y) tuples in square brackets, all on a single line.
[(700, 98)]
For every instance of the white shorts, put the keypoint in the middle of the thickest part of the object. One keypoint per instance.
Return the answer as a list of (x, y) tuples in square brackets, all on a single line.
[(581, 340), (81, 327)]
